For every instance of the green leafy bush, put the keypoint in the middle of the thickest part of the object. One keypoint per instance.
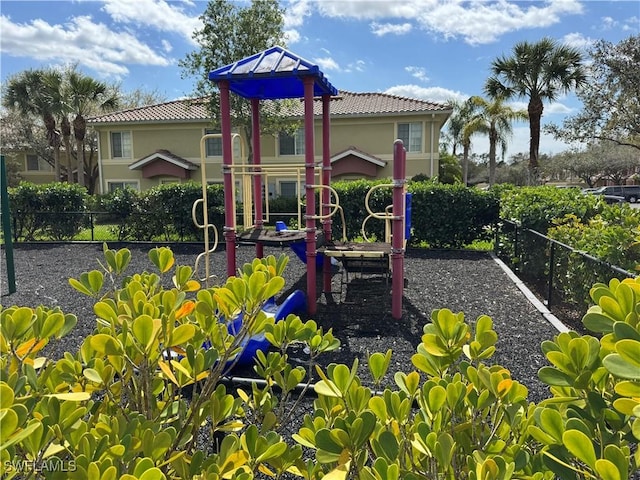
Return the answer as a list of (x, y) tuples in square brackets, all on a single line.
[(610, 236), (53, 210), (539, 209), (451, 216), (140, 392)]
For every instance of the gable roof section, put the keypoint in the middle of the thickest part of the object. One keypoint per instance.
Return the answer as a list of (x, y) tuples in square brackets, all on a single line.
[(354, 161), (165, 155), (275, 73), (356, 152), (344, 105)]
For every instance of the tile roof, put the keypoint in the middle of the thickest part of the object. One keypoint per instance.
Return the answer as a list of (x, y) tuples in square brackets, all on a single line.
[(343, 105), (184, 110), (349, 103)]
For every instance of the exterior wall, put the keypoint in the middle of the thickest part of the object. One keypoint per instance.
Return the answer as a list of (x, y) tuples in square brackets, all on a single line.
[(46, 175), (373, 135)]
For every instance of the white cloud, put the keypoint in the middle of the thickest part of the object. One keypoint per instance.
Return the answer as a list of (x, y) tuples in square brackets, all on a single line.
[(577, 40), (381, 29), (159, 14), (81, 40), (417, 72), (557, 108), (632, 24), (372, 9), (608, 23), (167, 46), (481, 22), (292, 36), (432, 94), (295, 13), (476, 22), (294, 16), (327, 63), (357, 66)]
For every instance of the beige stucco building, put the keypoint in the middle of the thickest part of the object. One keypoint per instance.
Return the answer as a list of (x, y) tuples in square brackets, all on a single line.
[(156, 144)]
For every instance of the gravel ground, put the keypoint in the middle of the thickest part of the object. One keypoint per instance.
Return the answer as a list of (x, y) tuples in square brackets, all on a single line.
[(358, 311)]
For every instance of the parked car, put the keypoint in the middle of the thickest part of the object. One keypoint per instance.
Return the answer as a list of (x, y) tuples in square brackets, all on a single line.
[(613, 198), (630, 193)]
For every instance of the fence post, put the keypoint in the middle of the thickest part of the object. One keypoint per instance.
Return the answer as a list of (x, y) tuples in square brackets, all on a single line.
[(552, 262), (516, 254), (91, 222), (6, 226)]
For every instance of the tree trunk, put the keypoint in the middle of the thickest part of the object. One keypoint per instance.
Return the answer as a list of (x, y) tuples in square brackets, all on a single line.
[(465, 163), (79, 131), (65, 126), (53, 139), (493, 140), (535, 109)]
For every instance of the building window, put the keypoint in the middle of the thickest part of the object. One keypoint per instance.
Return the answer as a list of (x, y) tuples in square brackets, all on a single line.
[(411, 136), (35, 164), (121, 145), (113, 186), (292, 144), (213, 146), (288, 189)]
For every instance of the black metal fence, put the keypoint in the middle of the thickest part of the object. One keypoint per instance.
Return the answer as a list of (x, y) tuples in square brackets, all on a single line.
[(558, 272)]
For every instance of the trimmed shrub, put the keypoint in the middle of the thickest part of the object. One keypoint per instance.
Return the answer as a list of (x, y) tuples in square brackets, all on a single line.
[(118, 408), (451, 216), (54, 210)]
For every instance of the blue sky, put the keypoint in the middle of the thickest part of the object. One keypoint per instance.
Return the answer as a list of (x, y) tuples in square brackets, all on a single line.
[(430, 49)]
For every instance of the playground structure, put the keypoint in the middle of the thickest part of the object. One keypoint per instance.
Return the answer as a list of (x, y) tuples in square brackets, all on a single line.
[(276, 74)]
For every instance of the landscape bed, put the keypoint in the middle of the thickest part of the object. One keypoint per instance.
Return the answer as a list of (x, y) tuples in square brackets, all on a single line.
[(359, 312)]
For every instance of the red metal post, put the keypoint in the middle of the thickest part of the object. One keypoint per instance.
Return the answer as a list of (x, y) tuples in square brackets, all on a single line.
[(227, 157), (310, 223), (397, 229), (257, 179), (326, 180)]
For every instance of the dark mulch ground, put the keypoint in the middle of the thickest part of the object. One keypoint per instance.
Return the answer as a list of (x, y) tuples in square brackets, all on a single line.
[(359, 311)]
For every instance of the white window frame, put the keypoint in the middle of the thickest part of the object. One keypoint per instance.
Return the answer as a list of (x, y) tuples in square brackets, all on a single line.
[(135, 184), (298, 143), (210, 141), (126, 147), (414, 142)]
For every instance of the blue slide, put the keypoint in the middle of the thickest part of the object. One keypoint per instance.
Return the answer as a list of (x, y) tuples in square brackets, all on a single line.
[(294, 303)]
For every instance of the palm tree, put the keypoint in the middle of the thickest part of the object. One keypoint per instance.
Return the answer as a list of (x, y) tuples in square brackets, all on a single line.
[(462, 113), (37, 92), (86, 95), (493, 118), (540, 71), (65, 128)]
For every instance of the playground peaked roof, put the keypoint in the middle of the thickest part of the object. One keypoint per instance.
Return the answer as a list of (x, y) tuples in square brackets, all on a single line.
[(273, 74)]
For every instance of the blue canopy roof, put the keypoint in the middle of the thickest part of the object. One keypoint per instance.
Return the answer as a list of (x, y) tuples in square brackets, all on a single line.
[(272, 74)]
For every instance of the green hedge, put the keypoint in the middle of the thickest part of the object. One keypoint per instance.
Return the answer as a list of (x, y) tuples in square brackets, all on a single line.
[(583, 222), (451, 216), (444, 216), (49, 211)]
